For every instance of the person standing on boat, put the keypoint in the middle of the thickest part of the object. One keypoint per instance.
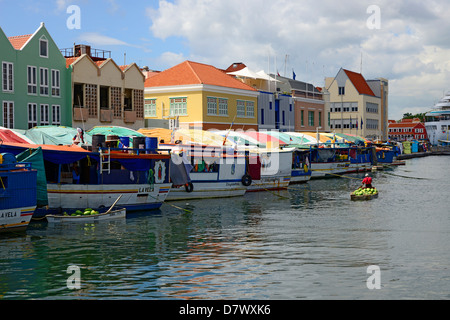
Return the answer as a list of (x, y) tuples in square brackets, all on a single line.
[(76, 174), (367, 182), (79, 137)]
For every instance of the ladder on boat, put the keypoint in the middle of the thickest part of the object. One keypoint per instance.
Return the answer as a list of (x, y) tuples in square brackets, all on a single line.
[(105, 159)]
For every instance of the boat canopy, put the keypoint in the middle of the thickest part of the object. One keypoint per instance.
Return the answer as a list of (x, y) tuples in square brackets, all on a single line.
[(115, 130), (187, 136), (291, 140), (239, 138), (268, 140), (304, 138), (15, 136), (53, 135)]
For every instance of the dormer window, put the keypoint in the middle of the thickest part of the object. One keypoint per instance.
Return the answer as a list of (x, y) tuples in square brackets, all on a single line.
[(43, 47)]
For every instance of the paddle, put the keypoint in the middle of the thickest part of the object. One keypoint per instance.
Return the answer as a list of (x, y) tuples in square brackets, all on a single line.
[(113, 204)]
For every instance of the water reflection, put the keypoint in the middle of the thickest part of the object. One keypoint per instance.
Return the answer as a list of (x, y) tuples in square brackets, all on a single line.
[(307, 242)]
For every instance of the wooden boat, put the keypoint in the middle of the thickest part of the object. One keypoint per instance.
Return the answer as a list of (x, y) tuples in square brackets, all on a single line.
[(356, 197), (101, 214), (119, 213), (17, 193), (140, 174)]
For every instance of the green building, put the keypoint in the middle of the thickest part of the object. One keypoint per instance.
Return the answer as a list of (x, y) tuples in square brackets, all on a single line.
[(36, 85)]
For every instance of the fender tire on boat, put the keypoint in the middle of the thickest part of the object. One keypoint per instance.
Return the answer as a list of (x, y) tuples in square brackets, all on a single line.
[(246, 180), (189, 187)]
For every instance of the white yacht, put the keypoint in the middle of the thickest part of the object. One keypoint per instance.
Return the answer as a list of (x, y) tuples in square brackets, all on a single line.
[(437, 122)]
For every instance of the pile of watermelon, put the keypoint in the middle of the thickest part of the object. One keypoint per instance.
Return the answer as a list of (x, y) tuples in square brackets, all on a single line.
[(86, 212), (365, 191)]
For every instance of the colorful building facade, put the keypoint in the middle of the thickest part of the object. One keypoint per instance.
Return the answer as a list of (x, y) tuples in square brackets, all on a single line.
[(104, 93), (196, 95), (354, 107), (36, 86), (407, 130)]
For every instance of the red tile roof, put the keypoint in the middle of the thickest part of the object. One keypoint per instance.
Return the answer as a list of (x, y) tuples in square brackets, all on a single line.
[(359, 82), (18, 41), (189, 72), (70, 60), (405, 125)]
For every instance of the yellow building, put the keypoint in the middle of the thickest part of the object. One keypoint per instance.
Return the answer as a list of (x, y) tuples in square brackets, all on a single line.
[(105, 93), (196, 95), (356, 106)]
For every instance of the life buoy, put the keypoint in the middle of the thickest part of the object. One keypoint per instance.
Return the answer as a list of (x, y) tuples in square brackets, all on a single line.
[(189, 187), (246, 180)]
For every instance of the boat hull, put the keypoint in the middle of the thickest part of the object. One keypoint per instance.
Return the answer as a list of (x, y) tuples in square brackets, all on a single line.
[(15, 219), (208, 189), (136, 197), (363, 197), (112, 215), (328, 169), (269, 183)]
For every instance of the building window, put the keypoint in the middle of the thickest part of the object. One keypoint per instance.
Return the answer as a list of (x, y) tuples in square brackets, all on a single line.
[(32, 115), (8, 76), (104, 98), (341, 91), (8, 114), (91, 99), (139, 103), (223, 106), (116, 102), (43, 47), (311, 118), (251, 109), (43, 81), (56, 115), (371, 107), (150, 108), (302, 118), (262, 116), (78, 95), (32, 80), (178, 106), (320, 119), (56, 89), (283, 118), (212, 106), (240, 108), (128, 100), (44, 115)]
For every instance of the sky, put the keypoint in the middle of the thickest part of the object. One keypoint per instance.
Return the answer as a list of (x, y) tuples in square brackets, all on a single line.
[(406, 42)]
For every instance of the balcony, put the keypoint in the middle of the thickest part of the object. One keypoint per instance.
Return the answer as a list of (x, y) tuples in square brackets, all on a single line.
[(80, 114), (106, 115), (129, 116)]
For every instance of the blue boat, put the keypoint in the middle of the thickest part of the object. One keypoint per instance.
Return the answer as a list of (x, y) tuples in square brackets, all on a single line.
[(76, 177), (18, 195)]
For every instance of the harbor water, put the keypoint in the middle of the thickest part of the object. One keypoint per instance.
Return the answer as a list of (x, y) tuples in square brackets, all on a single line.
[(308, 242)]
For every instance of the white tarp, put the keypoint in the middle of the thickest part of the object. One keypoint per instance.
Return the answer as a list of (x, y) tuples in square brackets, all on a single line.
[(246, 73)]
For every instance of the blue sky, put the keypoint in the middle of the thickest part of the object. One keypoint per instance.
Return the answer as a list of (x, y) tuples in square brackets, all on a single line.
[(410, 45)]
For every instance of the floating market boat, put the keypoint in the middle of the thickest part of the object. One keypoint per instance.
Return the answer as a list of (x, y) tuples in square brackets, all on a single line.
[(119, 213), (364, 194), (78, 178), (275, 162), (89, 215), (18, 200), (211, 172)]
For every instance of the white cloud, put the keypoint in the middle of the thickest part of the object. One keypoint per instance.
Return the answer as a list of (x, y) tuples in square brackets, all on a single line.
[(98, 39), (411, 48)]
